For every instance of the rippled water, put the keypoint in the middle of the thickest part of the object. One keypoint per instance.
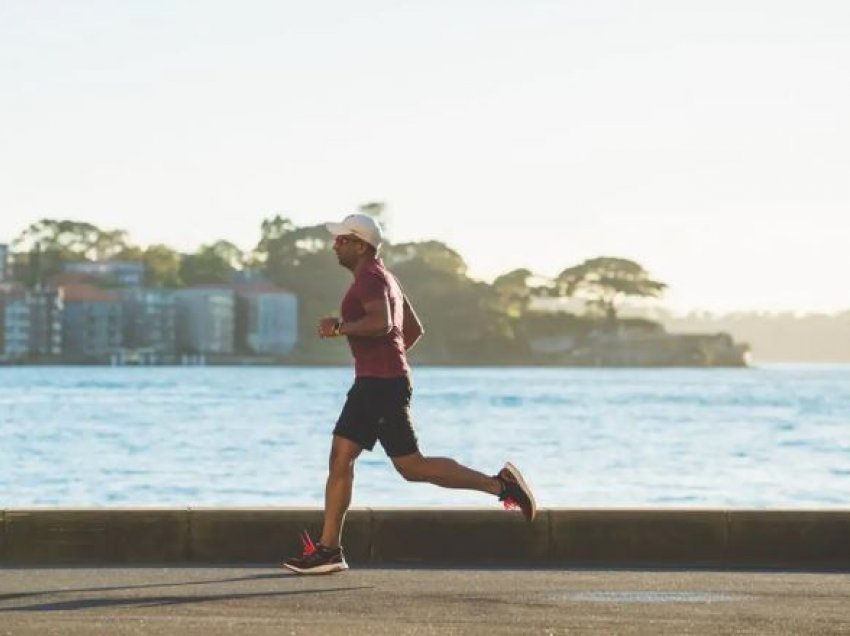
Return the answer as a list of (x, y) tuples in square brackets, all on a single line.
[(777, 436)]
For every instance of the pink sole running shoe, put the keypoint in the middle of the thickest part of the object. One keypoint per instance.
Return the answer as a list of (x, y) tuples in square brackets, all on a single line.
[(317, 559), (516, 495)]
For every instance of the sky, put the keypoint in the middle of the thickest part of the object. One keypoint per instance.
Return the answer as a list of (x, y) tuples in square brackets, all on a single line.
[(708, 141)]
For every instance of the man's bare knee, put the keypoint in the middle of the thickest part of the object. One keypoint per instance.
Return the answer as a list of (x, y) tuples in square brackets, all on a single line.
[(342, 458), (411, 474), (341, 468), (412, 468)]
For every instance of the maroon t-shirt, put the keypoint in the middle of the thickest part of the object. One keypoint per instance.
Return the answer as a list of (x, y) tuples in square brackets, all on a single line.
[(376, 356)]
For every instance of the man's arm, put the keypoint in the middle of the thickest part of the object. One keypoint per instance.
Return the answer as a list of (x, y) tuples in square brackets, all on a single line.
[(376, 322), (413, 329)]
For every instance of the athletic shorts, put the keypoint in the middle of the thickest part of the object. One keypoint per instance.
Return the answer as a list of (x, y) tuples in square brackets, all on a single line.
[(379, 409)]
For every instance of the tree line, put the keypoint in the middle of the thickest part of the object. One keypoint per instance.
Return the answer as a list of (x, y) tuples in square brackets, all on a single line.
[(467, 320)]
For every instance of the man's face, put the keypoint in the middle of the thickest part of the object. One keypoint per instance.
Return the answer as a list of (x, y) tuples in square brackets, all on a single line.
[(348, 249)]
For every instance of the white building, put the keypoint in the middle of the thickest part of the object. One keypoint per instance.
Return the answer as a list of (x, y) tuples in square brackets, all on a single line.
[(266, 319), (205, 320), (14, 326)]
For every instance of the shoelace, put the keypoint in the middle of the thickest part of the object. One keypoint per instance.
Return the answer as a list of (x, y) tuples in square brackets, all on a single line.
[(309, 546)]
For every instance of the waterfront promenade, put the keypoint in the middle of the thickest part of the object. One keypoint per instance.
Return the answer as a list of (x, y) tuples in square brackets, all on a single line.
[(426, 571)]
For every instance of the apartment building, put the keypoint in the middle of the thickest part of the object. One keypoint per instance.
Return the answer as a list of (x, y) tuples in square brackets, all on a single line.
[(14, 325), (205, 320), (91, 323), (149, 318), (266, 319)]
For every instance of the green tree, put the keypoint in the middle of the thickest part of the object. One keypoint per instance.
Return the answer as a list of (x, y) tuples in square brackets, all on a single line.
[(432, 255), (72, 240), (50, 242), (162, 266), (130, 253), (605, 281), (109, 244), (211, 264), (465, 319), (514, 290), (229, 253), (272, 232)]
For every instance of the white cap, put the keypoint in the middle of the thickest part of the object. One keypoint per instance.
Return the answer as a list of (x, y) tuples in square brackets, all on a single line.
[(362, 226)]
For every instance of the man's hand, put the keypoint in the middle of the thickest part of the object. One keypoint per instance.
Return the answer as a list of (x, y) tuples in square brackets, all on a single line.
[(375, 323), (327, 327)]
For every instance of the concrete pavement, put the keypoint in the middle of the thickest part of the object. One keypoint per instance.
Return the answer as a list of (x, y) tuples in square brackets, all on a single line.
[(266, 600)]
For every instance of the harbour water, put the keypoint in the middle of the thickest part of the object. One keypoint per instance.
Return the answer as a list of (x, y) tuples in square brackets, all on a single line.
[(767, 437)]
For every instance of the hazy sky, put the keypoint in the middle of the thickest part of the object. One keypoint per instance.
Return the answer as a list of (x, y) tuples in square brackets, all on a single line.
[(709, 141)]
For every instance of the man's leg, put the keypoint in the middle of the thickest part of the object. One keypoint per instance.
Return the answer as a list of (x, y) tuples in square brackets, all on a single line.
[(338, 489), (508, 485), (399, 440), (444, 472)]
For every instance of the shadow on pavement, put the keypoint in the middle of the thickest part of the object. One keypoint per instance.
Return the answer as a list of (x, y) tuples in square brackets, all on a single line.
[(252, 577), (159, 601)]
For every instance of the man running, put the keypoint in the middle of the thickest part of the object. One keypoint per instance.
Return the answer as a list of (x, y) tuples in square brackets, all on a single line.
[(381, 326)]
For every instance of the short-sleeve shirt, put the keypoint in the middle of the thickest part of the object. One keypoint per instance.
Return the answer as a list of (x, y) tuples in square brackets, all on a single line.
[(376, 356)]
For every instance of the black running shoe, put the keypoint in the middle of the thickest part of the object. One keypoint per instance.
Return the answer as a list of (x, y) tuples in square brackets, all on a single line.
[(516, 495), (317, 559)]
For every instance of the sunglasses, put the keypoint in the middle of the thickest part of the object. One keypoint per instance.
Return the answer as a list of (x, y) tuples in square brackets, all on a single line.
[(343, 239)]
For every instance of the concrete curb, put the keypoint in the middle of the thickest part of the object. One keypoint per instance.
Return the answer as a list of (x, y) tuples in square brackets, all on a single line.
[(713, 538)]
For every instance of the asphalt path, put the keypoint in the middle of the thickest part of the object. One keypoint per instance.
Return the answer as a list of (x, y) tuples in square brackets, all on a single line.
[(212, 601)]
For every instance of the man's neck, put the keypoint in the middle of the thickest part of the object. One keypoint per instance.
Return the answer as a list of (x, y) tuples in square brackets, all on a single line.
[(363, 263)]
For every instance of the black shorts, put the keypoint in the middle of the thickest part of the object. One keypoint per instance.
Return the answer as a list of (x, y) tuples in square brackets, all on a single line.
[(379, 409)]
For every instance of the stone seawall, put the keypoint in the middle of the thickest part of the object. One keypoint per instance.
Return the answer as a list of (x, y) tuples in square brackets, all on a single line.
[(707, 538)]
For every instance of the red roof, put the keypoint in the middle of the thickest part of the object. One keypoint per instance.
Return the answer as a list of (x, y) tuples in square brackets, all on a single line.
[(70, 278), (85, 293)]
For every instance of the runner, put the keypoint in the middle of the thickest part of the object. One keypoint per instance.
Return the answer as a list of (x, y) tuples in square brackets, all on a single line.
[(381, 326)]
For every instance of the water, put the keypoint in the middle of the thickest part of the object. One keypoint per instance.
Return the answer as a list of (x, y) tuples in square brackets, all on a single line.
[(777, 436)]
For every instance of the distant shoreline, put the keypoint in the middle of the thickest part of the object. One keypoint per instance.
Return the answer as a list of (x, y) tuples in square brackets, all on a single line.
[(419, 364)]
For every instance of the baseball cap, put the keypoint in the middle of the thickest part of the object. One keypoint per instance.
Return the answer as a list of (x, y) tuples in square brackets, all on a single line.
[(362, 226)]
